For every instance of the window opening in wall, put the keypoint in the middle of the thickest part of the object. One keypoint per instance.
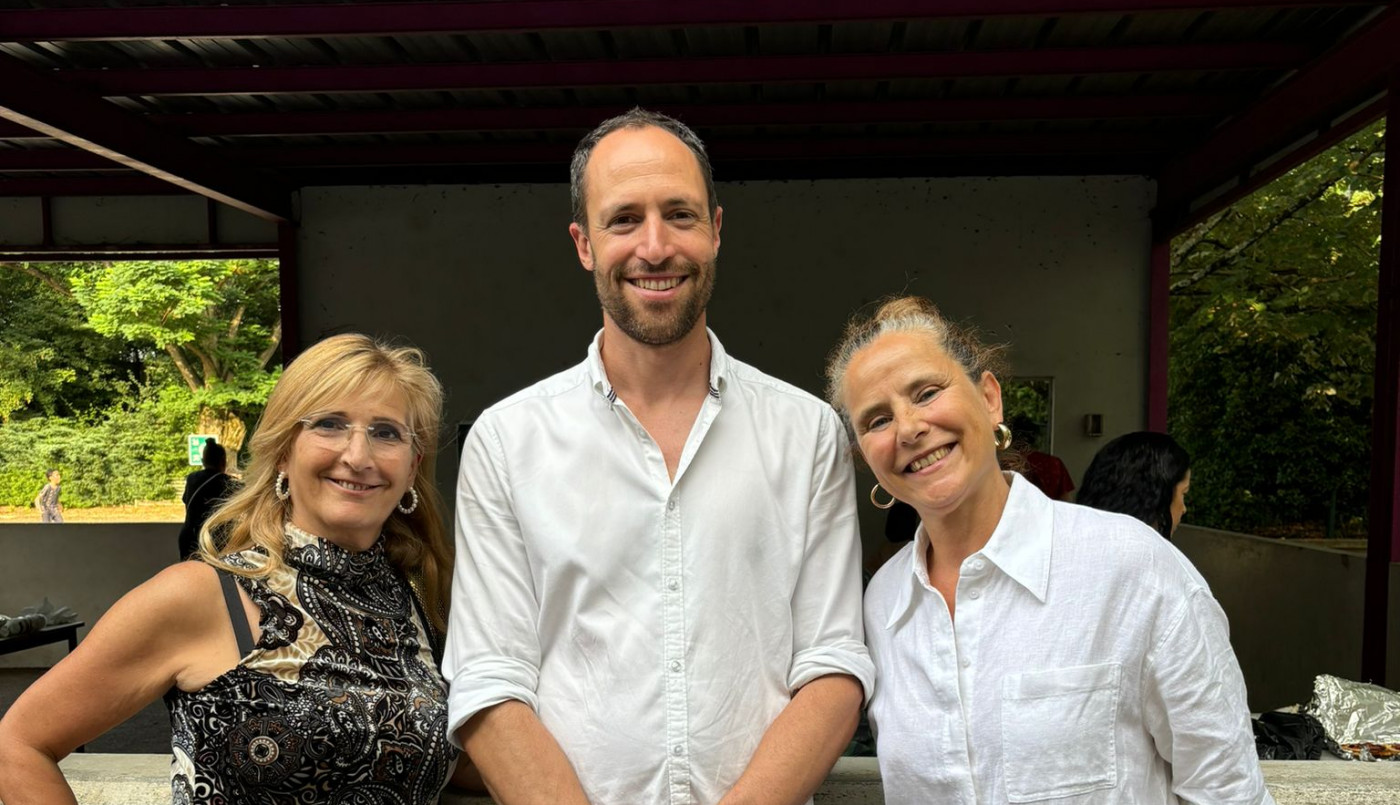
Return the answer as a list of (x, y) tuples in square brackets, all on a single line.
[(108, 368), (1273, 350), (1028, 405)]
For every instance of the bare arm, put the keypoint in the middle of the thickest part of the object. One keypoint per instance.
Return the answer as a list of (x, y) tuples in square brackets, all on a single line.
[(801, 745), (519, 761), (160, 634)]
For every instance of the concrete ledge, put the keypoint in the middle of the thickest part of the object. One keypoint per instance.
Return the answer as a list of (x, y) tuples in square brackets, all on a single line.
[(144, 780)]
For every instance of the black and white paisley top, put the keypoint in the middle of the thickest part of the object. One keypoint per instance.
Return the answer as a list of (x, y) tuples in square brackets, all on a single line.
[(339, 701)]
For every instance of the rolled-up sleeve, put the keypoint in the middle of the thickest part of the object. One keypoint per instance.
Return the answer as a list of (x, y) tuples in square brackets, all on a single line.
[(828, 636), (1195, 707), (493, 649)]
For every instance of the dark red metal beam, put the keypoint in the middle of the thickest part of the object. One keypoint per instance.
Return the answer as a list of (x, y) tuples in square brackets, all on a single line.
[(173, 251), (33, 99), (390, 19), (1258, 179), (1343, 77), (88, 186), (768, 114), (289, 288), (52, 159), (725, 70), (1383, 539), (1158, 331)]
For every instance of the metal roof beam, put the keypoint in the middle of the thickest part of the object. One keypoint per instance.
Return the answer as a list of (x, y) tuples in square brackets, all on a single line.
[(413, 77), (933, 110), (1308, 101), (35, 100), (768, 114), (398, 19), (318, 156), (722, 70)]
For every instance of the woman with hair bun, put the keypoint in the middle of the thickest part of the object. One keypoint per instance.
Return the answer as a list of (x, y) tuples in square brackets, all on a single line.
[(297, 658), (1143, 474), (1028, 650)]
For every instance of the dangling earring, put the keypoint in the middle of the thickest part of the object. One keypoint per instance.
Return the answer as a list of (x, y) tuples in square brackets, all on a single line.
[(878, 504), (281, 487), (1002, 437), (412, 507)]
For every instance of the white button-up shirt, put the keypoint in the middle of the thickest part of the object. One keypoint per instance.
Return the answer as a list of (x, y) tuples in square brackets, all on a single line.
[(657, 627), (1088, 663)]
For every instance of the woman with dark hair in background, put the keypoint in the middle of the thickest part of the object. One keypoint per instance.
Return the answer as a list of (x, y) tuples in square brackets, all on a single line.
[(1144, 474)]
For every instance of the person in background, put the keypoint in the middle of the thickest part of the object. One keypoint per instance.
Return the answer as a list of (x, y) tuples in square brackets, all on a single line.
[(205, 489), (298, 662), (50, 509), (657, 595), (1047, 472), (1144, 474), (1027, 650)]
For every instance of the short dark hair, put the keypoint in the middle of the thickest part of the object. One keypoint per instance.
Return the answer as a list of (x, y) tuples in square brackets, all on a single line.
[(49, 473), (1137, 474), (214, 455), (636, 118)]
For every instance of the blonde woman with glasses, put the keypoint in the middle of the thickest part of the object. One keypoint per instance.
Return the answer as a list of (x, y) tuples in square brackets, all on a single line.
[(298, 661)]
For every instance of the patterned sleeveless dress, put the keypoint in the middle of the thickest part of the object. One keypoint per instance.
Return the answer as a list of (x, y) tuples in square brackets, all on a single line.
[(339, 701)]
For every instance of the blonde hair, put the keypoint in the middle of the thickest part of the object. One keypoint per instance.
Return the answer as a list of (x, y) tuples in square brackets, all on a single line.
[(342, 365), (908, 314)]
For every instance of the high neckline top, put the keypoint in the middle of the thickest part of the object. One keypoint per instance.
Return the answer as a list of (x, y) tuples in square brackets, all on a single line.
[(339, 693)]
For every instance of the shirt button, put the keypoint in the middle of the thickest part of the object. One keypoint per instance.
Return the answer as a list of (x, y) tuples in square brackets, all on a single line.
[(675, 665), (966, 662), (673, 585), (975, 594), (671, 505), (978, 564), (678, 750)]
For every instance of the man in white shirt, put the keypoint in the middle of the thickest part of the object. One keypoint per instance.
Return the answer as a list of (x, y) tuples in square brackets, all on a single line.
[(657, 594)]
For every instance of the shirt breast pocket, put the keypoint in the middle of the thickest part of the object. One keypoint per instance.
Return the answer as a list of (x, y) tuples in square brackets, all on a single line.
[(1057, 736)]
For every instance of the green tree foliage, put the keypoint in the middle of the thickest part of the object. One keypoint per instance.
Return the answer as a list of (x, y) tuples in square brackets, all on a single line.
[(105, 366), (51, 362), (1273, 345), (216, 320)]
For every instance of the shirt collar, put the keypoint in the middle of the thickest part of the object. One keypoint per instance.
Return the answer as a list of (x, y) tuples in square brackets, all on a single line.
[(1019, 546), (719, 367)]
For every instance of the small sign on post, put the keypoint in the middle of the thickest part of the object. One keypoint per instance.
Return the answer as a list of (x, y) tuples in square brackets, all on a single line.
[(195, 443)]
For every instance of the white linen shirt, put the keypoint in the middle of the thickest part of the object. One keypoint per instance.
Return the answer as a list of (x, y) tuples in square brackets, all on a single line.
[(1088, 663), (656, 627)]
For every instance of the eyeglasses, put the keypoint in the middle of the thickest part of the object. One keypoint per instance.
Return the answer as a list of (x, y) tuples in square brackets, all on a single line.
[(334, 432)]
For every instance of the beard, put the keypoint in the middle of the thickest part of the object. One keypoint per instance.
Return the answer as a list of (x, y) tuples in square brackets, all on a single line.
[(658, 324)]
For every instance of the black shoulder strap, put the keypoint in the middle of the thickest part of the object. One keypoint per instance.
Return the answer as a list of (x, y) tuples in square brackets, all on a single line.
[(236, 613)]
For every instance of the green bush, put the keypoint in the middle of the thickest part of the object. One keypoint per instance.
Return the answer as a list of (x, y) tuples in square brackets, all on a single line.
[(129, 454)]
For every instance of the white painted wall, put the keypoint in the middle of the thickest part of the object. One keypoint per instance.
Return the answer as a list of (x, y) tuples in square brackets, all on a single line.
[(84, 566), (485, 279)]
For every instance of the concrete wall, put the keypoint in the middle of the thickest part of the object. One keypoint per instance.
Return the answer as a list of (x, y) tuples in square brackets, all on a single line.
[(98, 220), (1295, 610), (485, 279), (84, 566)]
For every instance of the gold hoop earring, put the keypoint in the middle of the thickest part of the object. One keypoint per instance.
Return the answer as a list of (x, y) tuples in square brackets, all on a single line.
[(1002, 437), (877, 503)]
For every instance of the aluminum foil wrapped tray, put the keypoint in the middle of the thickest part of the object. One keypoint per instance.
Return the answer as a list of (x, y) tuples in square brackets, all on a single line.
[(1362, 721)]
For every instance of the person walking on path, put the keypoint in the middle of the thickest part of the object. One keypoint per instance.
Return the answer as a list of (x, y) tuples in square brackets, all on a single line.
[(50, 510)]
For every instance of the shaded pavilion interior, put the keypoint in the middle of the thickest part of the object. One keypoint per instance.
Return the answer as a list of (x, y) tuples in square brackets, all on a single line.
[(246, 103)]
